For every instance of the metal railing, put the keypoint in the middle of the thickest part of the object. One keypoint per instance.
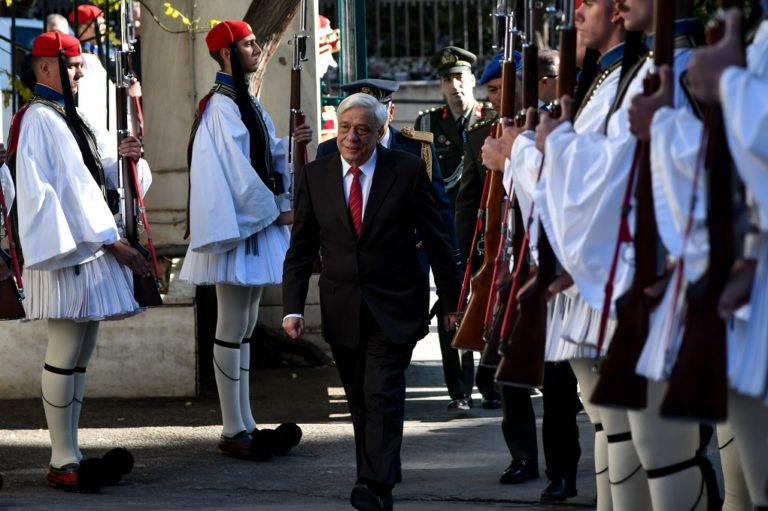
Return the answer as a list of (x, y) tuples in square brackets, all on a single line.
[(404, 34)]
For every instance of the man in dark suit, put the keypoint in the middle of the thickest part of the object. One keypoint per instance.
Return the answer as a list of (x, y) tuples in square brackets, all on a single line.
[(359, 208), (418, 143)]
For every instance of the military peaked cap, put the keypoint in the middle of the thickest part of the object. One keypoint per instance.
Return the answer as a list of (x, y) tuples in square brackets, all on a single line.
[(452, 59)]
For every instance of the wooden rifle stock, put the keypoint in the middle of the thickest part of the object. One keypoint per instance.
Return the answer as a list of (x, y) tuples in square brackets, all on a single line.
[(523, 363), (496, 346), (473, 326), (10, 299), (298, 149), (501, 266), (145, 288), (469, 335), (698, 385), (619, 384), (11, 291)]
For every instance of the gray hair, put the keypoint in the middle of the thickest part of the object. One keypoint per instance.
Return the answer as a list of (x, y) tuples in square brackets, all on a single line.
[(55, 19), (362, 100)]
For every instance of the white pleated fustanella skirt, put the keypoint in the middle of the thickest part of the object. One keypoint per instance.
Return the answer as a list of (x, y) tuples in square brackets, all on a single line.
[(255, 261), (93, 291)]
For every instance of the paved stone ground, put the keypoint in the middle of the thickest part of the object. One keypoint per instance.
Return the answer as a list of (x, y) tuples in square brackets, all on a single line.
[(450, 461)]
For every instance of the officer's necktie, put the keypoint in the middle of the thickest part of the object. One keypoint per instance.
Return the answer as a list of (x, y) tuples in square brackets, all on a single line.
[(460, 126), (356, 201)]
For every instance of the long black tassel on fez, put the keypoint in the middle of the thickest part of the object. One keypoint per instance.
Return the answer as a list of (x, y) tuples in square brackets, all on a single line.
[(78, 129), (261, 155)]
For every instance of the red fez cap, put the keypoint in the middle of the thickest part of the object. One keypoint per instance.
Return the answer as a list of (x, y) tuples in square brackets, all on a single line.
[(226, 33), (85, 13), (49, 44)]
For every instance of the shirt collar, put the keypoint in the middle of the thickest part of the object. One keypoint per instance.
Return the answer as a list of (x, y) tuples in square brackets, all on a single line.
[(466, 115), (386, 140), (366, 168), (610, 57), (48, 93), (225, 79), (684, 27)]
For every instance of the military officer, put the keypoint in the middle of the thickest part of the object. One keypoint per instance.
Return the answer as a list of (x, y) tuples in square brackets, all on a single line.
[(449, 122)]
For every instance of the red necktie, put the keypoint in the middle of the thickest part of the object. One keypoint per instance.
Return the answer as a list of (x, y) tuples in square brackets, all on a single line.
[(356, 200)]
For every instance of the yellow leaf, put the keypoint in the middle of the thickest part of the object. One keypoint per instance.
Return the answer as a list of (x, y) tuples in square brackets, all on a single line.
[(213, 23)]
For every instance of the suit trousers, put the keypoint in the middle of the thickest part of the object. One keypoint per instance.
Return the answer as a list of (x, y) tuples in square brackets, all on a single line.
[(458, 366), (519, 423), (559, 431), (373, 376)]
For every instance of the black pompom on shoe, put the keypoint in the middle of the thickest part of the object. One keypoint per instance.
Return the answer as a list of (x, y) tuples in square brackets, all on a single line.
[(262, 442), (287, 436), (91, 475), (117, 463)]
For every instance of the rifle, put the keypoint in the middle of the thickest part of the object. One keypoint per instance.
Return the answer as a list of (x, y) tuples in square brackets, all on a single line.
[(469, 335), (698, 385), (11, 293), (523, 364), (297, 151), (133, 214), (619, 384)]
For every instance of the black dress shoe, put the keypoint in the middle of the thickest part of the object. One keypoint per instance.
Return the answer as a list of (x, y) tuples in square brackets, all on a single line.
[(491, 403), (520, 471), (559, 490), (364, 499)]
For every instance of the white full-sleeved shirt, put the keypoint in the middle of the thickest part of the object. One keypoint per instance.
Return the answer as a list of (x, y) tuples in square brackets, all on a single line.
[(600, 164), (744, 99), (63, 217)]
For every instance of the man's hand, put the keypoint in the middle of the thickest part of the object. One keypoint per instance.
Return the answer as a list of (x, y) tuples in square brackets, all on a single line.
[(738, 289), (134, 89), (130, 147), (548, 124), (2, 153), (130, 257), (5, 272), (303, 133), (496, 151), (294, 327), (560, 284), (449, 321), (708, 63), (285, 218), (643, 107)]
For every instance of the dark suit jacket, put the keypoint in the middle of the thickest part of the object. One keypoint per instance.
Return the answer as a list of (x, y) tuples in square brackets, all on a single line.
[(381, 269), (403, 143)]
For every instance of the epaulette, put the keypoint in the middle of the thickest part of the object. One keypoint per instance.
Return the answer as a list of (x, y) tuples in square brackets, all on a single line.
[(426, 139), (420, 136), (480, 124), (430, 110)]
